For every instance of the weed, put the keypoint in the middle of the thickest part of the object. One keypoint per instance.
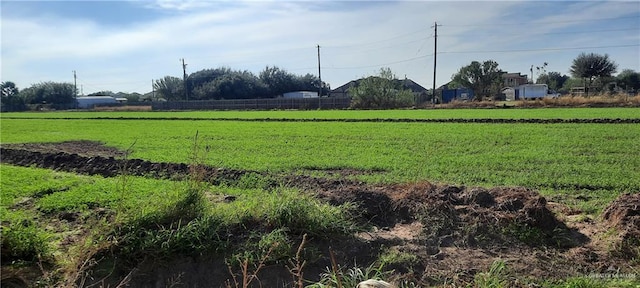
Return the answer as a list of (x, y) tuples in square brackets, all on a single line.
[(124, 180), (395, 258), (24, 240), (339, 277), (525, 233), (296, 267), (302, 214), (253, 180), (248, 274), (496, 277), (279, 243), (592, 282)]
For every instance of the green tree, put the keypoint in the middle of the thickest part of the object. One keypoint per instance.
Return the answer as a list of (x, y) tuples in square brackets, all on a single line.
[(591, 66), (131, 97), (58, 95), (279, 81), (629, 80), (224, 83), (9, 89), (554, 80), (101, 93), (310, 82), (380, 92), (237, 85), (485, 79), (11, 100), (199, 84), (169, 88)]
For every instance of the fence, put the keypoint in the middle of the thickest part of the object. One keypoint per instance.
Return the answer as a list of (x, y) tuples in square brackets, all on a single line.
[(257, 104)]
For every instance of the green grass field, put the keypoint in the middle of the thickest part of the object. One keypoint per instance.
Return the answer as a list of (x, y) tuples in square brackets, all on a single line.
[(566, 162), (558, 159), (548, 113)]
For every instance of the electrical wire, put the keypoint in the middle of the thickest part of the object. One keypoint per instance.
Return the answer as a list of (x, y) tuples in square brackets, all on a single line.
[(546, 22), (539, 49), (546, 33)]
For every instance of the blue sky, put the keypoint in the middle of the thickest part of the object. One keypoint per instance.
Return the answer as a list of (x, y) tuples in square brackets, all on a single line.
[(124, 45)]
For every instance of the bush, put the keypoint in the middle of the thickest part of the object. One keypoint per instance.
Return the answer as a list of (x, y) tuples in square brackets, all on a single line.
[(24, 241)]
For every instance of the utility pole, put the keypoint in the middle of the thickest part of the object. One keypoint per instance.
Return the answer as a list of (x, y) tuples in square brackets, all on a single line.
[(75, 88), (320, 78), (435, 54), (531, 69), (184, 80), (153, 91)]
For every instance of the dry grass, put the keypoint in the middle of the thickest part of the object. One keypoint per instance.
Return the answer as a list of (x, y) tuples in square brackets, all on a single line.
[(601, 100), (123, 108)]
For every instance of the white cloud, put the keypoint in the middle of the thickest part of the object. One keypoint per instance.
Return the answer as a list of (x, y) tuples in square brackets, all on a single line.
[(250, 35)]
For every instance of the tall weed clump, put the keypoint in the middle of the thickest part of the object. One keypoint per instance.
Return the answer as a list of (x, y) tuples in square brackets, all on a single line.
[(303, 214), (177, 227)]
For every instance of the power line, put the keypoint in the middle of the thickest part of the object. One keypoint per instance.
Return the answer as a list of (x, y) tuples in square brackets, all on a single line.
[(541, 49), (376, 42), (486, 51), (548, 33), (380, 48), (382, 64), (546, 22)]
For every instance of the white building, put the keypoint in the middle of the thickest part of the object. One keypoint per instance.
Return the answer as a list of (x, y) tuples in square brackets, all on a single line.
[(300, 94), (88, 102)]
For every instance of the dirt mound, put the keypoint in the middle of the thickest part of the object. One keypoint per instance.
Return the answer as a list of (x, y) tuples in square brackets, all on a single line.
[(623, 216), (110, 166), (460, 216)]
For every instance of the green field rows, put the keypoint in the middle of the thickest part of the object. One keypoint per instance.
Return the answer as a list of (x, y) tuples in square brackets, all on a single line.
[(549, 113), (599, 160)]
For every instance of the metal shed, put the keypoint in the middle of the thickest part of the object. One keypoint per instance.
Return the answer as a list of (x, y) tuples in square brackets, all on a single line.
[(460, 94)]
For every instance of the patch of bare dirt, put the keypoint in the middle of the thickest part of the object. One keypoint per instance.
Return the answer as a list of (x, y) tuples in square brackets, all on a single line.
[(342, 172), (80, 147)]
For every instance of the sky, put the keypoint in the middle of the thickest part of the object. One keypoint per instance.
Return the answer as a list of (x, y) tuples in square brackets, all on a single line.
[(122, 46)]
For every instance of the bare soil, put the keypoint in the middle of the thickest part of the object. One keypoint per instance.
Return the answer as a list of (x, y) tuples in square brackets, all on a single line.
[(454, 232)]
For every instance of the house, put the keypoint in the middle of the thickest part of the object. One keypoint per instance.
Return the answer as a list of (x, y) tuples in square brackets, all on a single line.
[(343, 90), (514, 79), (417, 89)]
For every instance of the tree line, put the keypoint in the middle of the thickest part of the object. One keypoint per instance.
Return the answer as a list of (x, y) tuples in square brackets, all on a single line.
[(206, 84), (225, 83), (592, 71)]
